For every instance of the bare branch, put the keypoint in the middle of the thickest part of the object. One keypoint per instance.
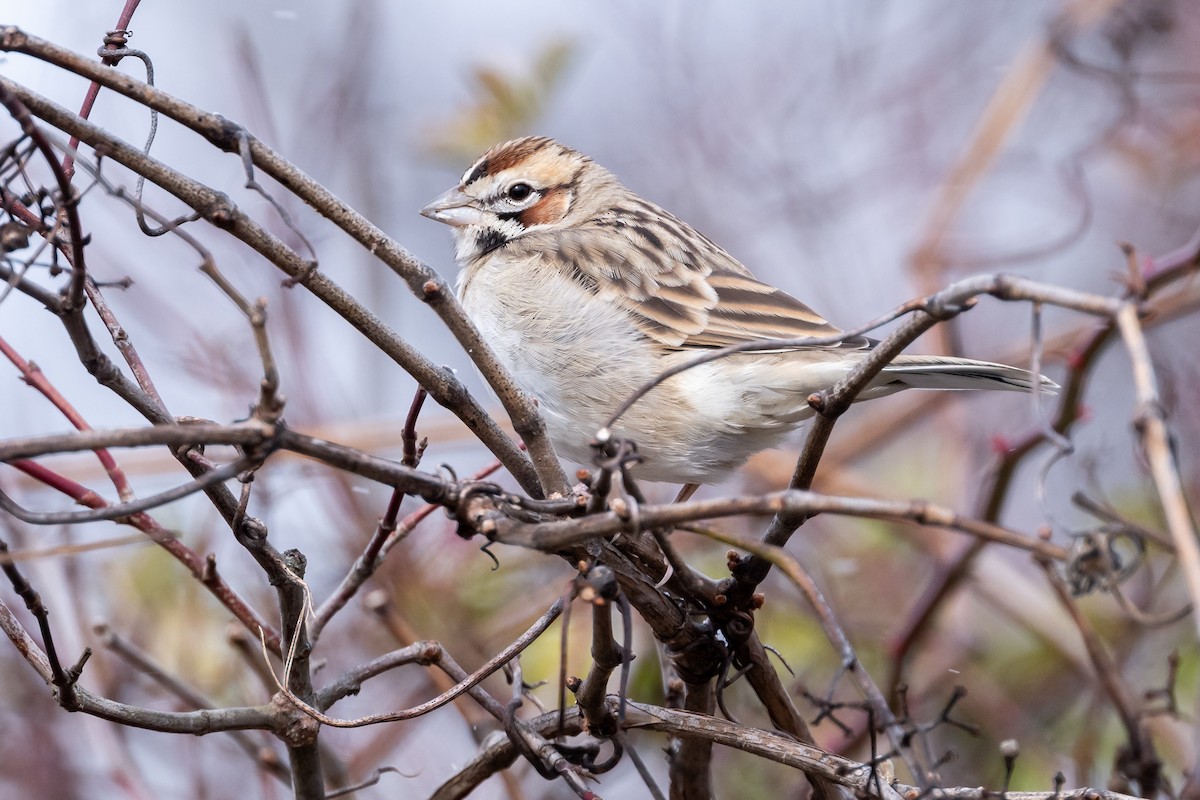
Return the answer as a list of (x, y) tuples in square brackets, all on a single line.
[(1142, 764), (1150, 421), (75, 296), (494, 663), (198, 723), (260, 753), (551, 536), (423, 281)]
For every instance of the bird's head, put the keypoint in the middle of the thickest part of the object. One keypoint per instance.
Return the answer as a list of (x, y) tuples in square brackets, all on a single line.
[(517, 188)]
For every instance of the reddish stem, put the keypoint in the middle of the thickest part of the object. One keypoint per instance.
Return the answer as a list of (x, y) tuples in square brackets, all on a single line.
[(32, 374), (89, 99), (167, 540)]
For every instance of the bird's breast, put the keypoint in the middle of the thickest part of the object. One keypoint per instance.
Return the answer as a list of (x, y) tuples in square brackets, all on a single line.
[(581, 357), (577, 354)]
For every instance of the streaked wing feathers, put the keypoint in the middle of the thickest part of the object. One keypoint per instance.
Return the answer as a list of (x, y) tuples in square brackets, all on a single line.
[(679, 287), (748, 309), (665, 292)]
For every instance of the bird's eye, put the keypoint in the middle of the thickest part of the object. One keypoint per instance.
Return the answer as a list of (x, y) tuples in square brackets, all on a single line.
[(519, 191)]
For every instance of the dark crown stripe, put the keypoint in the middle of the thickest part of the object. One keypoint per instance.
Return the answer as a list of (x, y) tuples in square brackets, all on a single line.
[(481, 170)]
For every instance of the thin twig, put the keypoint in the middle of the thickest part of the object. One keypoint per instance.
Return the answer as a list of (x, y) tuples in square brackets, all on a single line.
[(836, 635), (1165, 271), (63, 679), (121, 339), (260, 753), (20, 113), (32, 375), (1150, 422), (1143, 760), (93, 90), (494, 663), (120, 510), (166, 539), (551, 536)]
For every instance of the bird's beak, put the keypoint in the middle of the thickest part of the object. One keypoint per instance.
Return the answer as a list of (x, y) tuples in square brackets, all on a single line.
[(455, 208)]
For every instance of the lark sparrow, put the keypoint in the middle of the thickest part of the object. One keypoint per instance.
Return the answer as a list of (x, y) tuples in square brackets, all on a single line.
[(586, 291)]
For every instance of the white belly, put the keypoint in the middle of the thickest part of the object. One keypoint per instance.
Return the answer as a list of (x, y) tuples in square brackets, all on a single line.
[(581, 359), (577, 358)]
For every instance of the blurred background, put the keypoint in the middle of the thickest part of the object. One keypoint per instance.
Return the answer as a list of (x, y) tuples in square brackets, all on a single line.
[(855, 154)]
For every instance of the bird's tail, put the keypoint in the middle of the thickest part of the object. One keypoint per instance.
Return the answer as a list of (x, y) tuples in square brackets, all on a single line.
[(943, 372)]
